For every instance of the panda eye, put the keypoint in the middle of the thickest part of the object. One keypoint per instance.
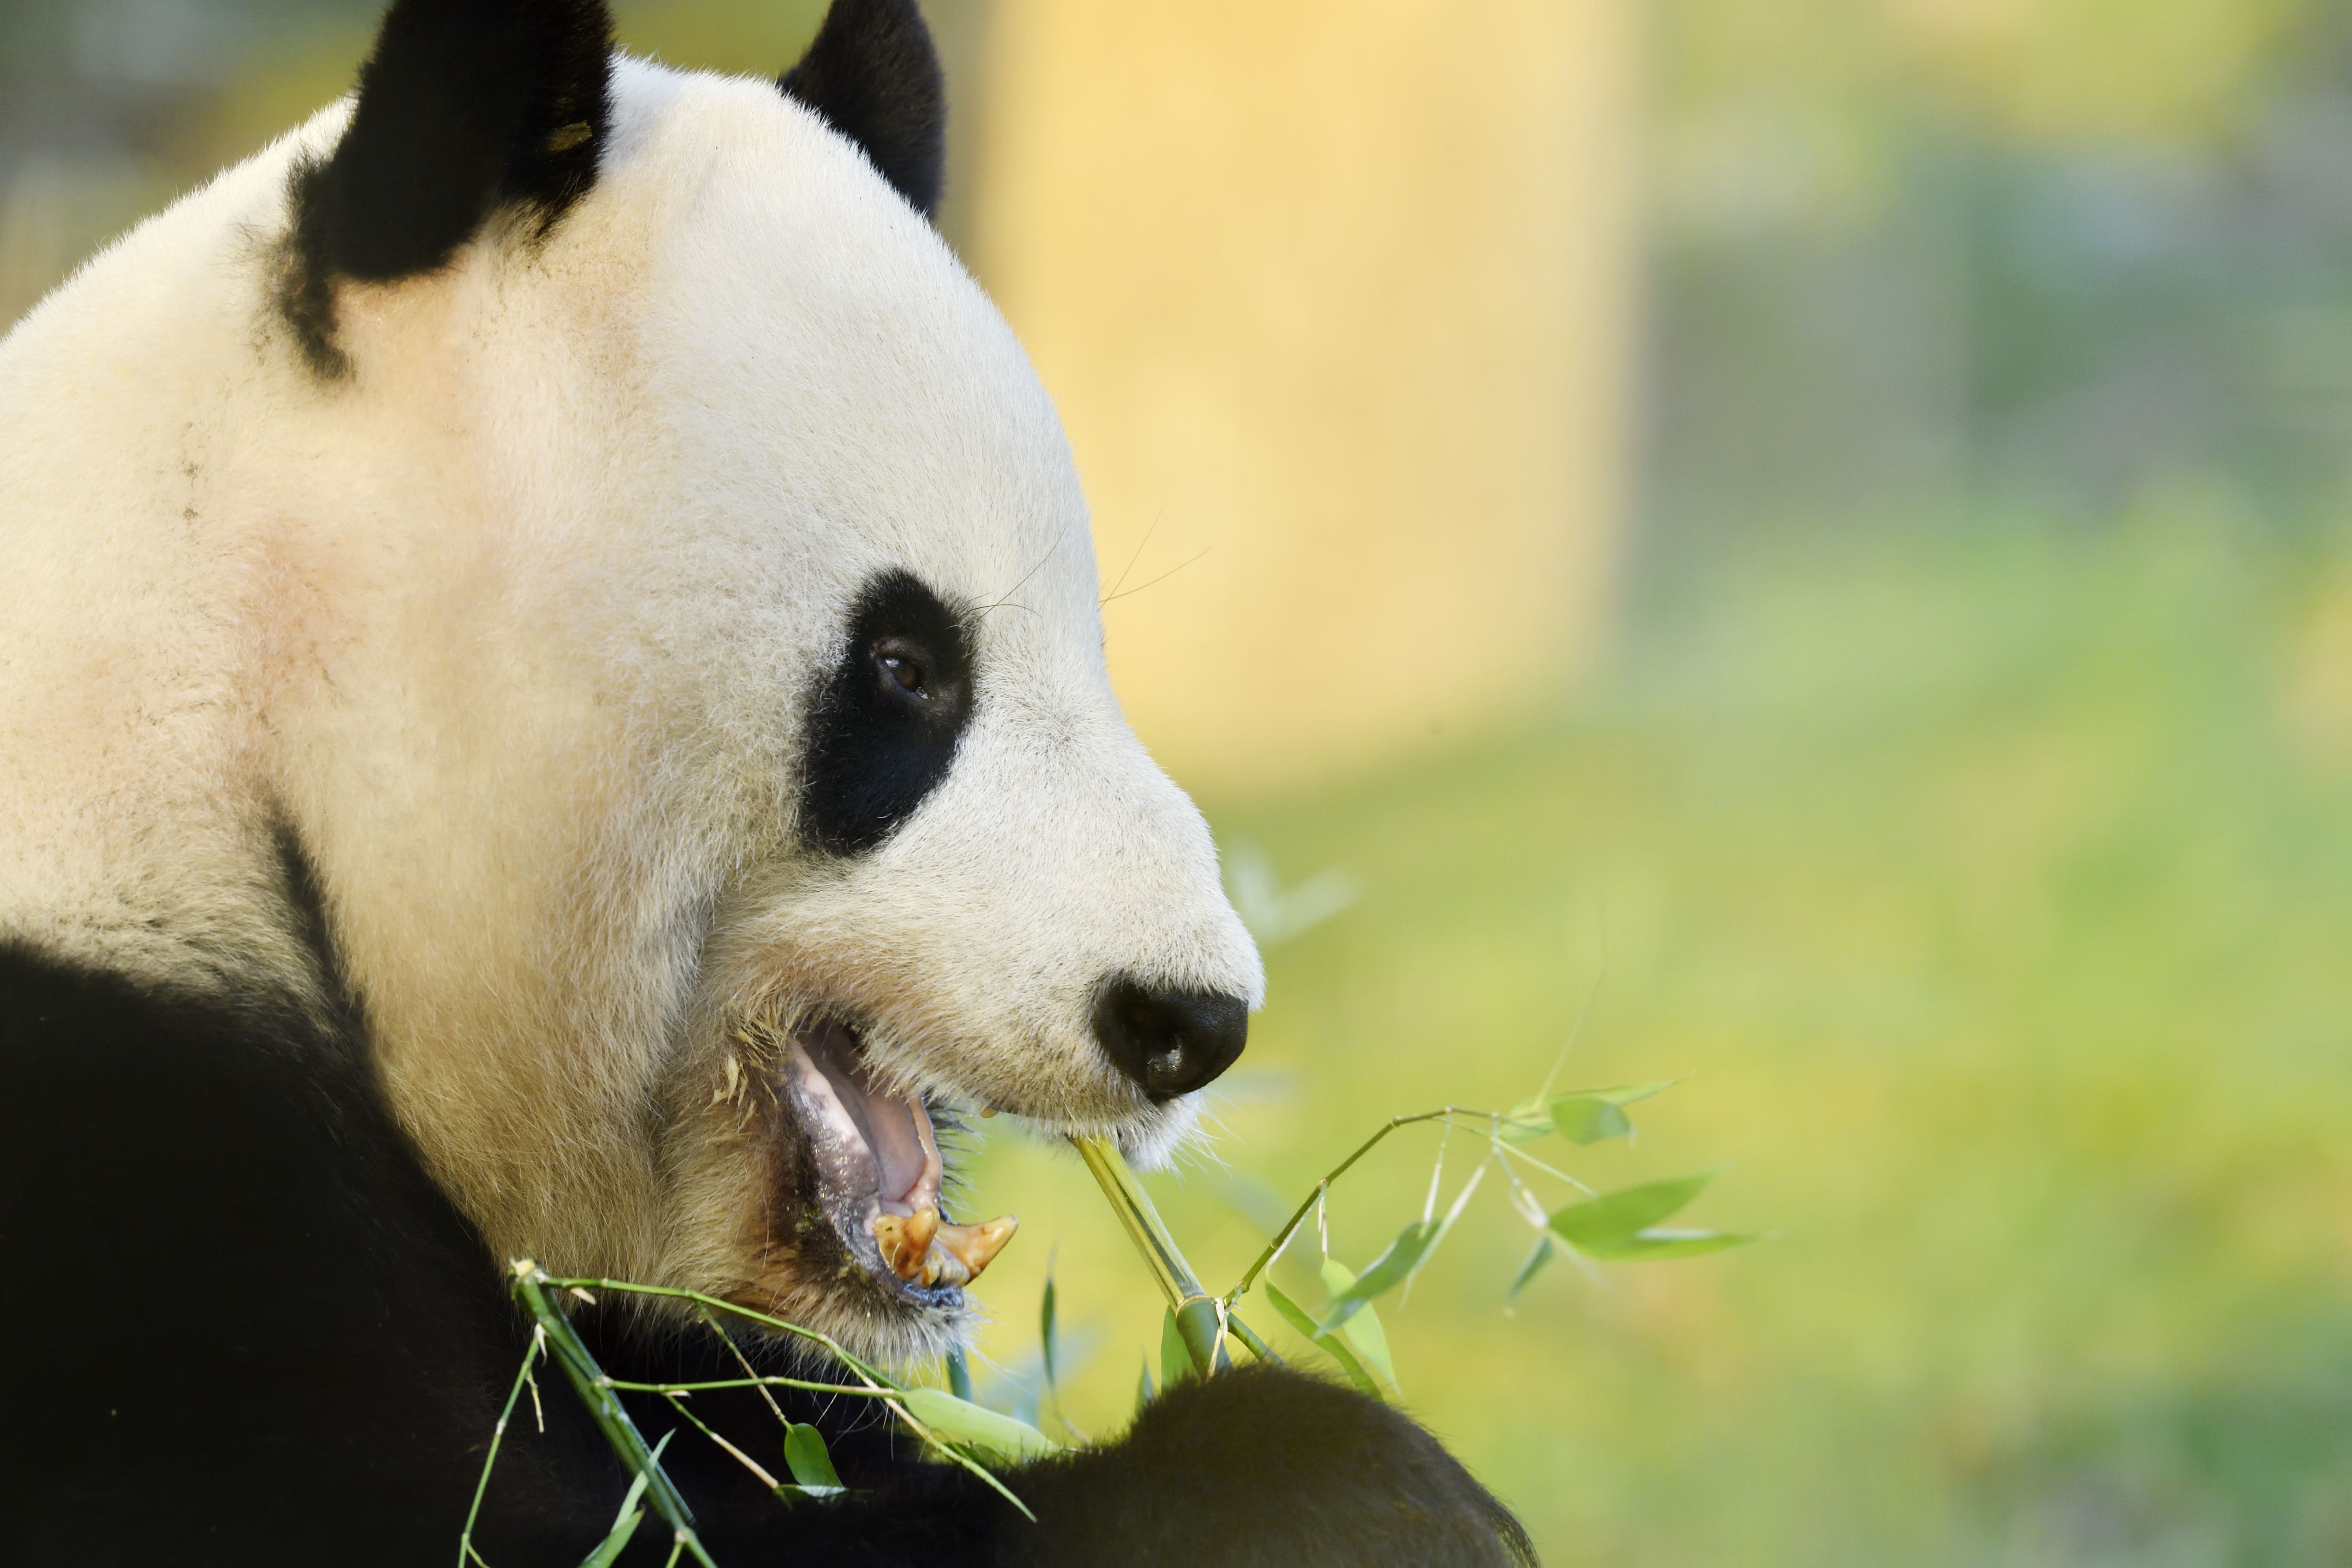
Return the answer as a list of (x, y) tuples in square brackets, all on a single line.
[(885, 723), (904, 670)]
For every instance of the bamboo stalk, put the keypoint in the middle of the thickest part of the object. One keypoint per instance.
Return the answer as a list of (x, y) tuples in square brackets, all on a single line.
[(1200, 1318)]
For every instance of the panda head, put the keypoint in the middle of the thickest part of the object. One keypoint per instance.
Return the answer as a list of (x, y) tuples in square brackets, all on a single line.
[(659, 605)]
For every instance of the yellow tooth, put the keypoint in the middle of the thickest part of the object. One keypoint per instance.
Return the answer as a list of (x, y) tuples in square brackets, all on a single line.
[(905, 1242), (886, 1229), (974, 1246), (919, 1248), (942, 1267), (914, 1242)]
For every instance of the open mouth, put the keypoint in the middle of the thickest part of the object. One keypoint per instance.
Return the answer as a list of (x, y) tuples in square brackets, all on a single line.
[(878, 1170)]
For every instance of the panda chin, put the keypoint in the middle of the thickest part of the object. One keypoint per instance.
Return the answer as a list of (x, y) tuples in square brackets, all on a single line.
[(878, 1171)]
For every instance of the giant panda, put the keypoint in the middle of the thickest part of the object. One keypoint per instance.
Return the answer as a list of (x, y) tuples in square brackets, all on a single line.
[(552, 705)]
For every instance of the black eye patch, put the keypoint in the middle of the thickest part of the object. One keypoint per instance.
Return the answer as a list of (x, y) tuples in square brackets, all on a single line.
[(885, 724)]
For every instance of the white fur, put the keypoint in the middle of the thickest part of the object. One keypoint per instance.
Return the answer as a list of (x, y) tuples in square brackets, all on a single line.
[(517, 626)]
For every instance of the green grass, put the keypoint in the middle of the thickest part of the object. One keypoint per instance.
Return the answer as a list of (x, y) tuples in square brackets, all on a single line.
[(1995, 887)]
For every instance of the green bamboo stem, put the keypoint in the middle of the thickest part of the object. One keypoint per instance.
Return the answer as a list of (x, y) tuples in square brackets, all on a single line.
[(1200, 1318), (595, 1391)]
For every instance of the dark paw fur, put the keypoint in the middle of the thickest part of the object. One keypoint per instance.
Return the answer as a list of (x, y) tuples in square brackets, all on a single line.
[(1263, 1466)]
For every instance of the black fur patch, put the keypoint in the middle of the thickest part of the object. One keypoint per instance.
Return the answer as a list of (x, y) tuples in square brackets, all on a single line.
[(465, 106), (883, 728), (246, 1328), (1263, 1466), (875, 77)]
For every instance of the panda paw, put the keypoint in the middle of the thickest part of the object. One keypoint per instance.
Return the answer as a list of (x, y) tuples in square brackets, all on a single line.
[(1263, 1465)]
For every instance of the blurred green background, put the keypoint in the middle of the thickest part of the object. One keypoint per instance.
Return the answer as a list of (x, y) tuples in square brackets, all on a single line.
[(1963, 799)]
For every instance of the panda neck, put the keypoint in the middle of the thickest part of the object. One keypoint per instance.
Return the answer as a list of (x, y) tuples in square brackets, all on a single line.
[(193, 899), (138, 816)]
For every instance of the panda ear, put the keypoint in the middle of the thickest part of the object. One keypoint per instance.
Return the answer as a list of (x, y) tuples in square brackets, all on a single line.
[(873, 75), (464, 106)]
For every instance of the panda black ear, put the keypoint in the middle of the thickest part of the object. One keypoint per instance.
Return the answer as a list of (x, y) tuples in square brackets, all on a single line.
[(873, 76), (464, 106)]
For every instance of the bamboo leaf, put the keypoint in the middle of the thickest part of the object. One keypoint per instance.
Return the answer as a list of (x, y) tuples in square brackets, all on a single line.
[(1329, 1344), (609, 1550), (1602, 1227), (1389, 1270), (625, 1522), (968, 1423), (1526, 1124), (1175, 1358), (1544, 1251), (1657, 1243), (1583, 1118), (1595, 1114), (1047, 1336), (811, 1465), (1356, 1320), (1579, 1115)]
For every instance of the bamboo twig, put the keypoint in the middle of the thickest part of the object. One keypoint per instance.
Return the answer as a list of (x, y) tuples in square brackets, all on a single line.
[(588, 1380), (878, 1386), (765, 1380), (1282, 1237), (498, 1434), (745, 1363), (1248, 1336), (720, 1304), (677, 1403)]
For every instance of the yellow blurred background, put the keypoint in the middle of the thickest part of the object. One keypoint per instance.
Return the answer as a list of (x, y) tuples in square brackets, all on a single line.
[(1801, 546), (1336, 300)]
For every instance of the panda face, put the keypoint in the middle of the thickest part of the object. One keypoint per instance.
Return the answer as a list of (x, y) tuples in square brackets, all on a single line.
[(665, 628), (788, 715)]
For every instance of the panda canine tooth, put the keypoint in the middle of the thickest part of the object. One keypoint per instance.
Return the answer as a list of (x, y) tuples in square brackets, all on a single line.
[(974, 1246)]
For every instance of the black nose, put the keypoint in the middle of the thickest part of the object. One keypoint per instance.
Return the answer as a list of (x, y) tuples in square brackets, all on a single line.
[(1171, 1042)]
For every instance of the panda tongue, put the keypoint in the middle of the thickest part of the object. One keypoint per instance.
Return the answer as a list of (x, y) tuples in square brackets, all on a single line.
[(896, 1128), (905, 1159)]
